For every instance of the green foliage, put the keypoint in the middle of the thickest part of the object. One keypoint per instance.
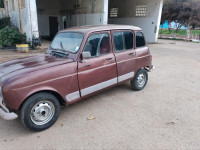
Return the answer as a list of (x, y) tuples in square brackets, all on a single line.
[(10, 36), (180, 32), (5, 21), (182, 12)]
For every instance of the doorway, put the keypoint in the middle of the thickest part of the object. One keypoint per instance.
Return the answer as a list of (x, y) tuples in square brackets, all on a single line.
[(53, 26)]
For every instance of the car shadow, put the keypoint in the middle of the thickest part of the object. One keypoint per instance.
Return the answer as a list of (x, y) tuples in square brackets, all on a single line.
[(16, 129)]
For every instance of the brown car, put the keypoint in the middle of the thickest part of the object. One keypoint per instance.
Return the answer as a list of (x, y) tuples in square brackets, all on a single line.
[(80, 62)]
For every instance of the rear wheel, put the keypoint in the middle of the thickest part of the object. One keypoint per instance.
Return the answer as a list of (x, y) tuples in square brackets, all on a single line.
[(40, 111), (140, 80)]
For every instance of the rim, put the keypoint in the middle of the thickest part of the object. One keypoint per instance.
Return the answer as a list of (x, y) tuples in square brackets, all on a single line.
[(141, 80), (42, 112)]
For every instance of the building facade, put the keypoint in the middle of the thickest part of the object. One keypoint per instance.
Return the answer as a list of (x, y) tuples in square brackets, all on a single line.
[(46, 17)]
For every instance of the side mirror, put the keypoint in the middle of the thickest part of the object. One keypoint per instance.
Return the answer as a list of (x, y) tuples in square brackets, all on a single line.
[(86, 55)]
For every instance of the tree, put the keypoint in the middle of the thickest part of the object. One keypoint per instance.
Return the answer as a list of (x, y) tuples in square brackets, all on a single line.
[(183, 13)]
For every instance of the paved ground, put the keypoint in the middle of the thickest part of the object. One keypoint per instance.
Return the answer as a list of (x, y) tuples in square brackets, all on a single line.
[(165, 115)]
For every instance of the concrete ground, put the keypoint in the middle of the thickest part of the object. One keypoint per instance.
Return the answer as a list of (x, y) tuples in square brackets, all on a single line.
[(165, 115)]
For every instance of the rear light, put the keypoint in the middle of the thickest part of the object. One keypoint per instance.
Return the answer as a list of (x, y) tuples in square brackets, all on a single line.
[(151, 57)]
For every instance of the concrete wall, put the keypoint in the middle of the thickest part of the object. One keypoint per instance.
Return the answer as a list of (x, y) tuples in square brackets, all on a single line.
[(89, 12), (126, 15), (43, 24), (14, 14), (2, 12), (28, 15), (93, 14)]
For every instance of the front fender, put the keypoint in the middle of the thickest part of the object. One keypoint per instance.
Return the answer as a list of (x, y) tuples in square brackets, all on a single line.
[(15, 98)]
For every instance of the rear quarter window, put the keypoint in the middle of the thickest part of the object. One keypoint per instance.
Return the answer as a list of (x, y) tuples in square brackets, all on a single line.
[(140, 42)]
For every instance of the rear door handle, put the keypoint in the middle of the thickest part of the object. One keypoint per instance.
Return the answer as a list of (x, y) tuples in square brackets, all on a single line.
[(110, 59), (132, 54)]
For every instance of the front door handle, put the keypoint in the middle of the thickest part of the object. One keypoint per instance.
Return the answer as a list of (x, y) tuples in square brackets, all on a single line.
[(87, 66), (110, 59)]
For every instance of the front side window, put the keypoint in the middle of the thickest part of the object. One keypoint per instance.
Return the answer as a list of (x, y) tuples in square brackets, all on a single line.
[(98, 44), (67, 41), (123, 40), (140, 42)]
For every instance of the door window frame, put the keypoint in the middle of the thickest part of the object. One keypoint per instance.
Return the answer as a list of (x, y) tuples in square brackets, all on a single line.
[(124, 50), (99, 32)]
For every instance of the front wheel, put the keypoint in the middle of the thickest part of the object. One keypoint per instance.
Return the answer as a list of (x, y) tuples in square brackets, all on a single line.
[(140, 80), (40, 111)]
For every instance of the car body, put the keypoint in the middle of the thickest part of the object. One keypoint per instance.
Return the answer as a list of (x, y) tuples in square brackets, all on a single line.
[(80, 62)]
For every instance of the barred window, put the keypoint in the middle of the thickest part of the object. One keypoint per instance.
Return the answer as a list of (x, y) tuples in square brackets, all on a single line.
[(141, 10), (113, 12)]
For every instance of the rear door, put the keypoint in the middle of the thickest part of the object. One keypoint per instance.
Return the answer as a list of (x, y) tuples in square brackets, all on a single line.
[(125, 53), (99, 71)]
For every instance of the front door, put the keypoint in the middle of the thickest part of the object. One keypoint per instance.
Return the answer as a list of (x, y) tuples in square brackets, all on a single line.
[(99, 71), (53, 26), (125, 54)]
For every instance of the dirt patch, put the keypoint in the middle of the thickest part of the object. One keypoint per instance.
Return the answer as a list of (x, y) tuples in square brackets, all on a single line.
[(6, 55)]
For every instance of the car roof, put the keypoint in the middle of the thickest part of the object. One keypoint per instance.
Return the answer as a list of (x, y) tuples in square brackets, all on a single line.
[(96, 28)]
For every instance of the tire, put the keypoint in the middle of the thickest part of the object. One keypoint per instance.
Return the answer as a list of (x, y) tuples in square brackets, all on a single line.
[(40, 111), (140, 80)]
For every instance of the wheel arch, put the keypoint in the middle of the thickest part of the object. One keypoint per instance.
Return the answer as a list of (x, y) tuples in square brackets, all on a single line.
[(56, 94)]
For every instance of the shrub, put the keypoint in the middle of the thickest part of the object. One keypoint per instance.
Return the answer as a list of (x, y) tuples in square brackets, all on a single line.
[(10, 36)]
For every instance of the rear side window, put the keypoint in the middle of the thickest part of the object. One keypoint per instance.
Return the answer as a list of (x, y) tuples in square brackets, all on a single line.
[(140, 42), (98, 44), (123, 40)]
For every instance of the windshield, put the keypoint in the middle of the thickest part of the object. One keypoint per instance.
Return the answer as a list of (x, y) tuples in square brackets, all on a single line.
[(67, 41)]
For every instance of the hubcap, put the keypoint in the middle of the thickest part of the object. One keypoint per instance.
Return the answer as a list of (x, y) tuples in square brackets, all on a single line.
[(42, 112), (141, 80)]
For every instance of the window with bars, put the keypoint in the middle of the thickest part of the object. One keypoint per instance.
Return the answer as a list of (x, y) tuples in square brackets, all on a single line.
[(141, 10), (113, 12)]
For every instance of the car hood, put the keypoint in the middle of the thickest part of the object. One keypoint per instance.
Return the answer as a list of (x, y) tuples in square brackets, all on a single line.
[(29, 64)]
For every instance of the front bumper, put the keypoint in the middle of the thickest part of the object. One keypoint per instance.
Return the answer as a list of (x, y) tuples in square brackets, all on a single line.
[(149, 69), (5, 113)]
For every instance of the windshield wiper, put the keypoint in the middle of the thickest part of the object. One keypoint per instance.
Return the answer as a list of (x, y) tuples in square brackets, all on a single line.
[(58, 53), (61, 45)]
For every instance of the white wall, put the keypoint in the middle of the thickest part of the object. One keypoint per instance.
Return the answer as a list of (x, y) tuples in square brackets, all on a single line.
[(149, 23), (43, 24), (14, 15), (32, 12), (86, 14), (85, 19), (29, 22), (2, 12)]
